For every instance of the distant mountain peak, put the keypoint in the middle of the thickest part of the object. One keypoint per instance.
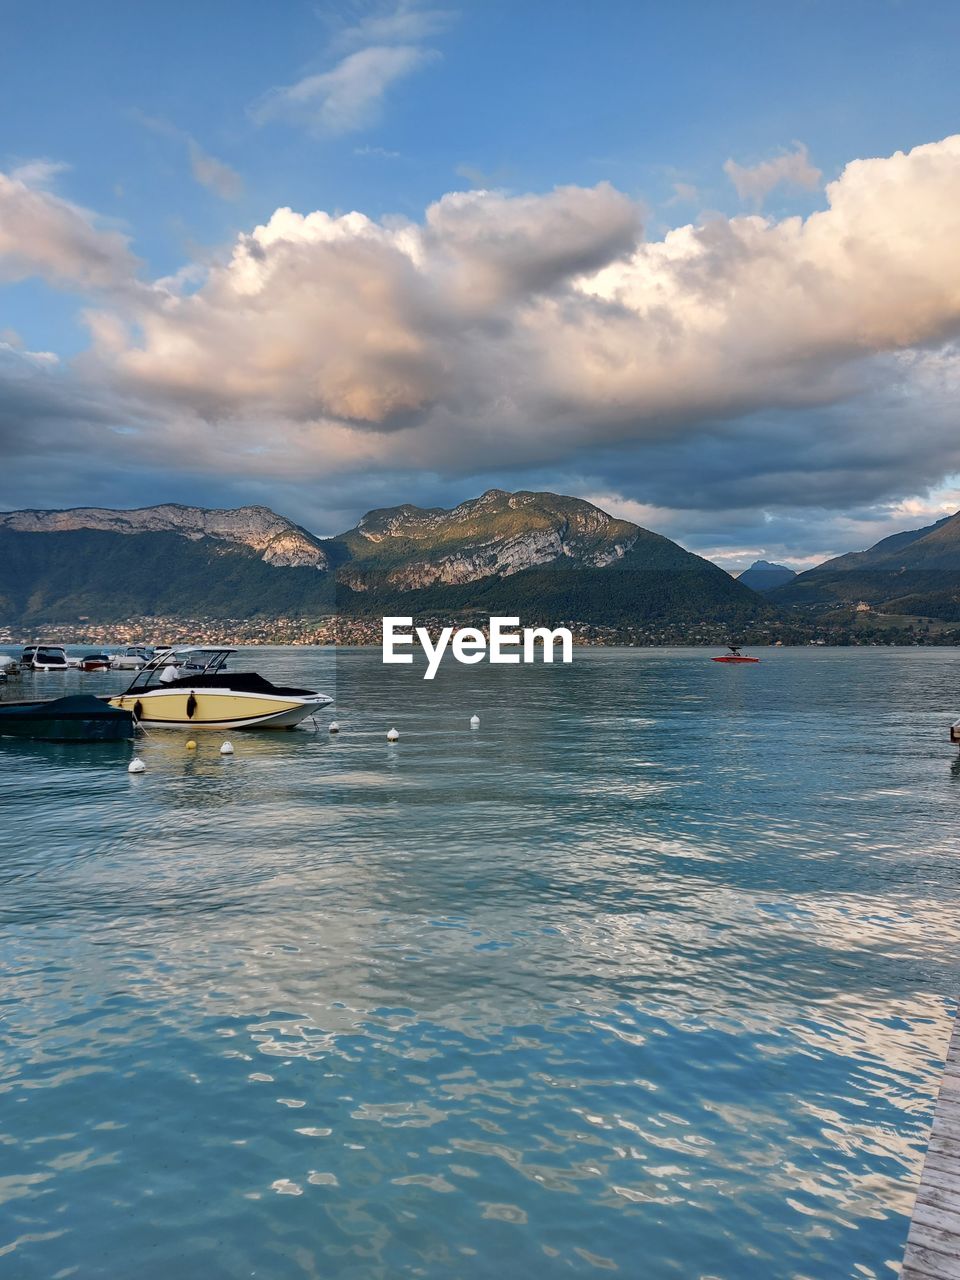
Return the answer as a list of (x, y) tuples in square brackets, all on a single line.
[(764, 575), (275, 539)]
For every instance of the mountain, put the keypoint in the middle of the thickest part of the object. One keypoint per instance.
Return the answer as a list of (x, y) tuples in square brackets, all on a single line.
[(545, 557), (914, 573), (764, 576), (275, 540), (541, 556)]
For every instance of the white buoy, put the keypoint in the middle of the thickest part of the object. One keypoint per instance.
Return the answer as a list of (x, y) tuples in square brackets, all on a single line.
[(474, 722), (227, 749), (334, 727), (392, 735), (136, 765)]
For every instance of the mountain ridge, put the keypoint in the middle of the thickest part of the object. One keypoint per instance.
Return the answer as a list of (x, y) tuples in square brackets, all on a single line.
[(913, 573), (276, 539), (505, 552)]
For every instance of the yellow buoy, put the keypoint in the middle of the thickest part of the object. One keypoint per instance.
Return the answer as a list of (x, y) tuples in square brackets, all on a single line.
[(191, 745)]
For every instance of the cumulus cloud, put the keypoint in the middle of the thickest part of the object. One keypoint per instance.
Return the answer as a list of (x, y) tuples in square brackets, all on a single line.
[(44, 235), (547, 323), (755, 182), (348, 97), (801, 365)]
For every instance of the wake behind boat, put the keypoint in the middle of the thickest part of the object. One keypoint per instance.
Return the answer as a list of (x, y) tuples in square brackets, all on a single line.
[(161, 695)]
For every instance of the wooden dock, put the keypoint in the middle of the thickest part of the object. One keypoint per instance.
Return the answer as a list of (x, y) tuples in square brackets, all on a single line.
[(933, 1245)]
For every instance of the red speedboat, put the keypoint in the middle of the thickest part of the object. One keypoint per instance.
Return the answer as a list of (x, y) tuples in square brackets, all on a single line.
[(95, 662), (733, 656)]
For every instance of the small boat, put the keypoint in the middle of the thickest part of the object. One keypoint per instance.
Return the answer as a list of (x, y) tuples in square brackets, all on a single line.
[(9, 665), (79, 718), (733, 656), (131, 659), (45, 657), (95, 662), (161, 695)]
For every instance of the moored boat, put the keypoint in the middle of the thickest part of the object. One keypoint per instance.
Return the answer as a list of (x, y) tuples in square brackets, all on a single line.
[(79, 718), (95, 662), (132, 658), (45, 657), (161, 695)]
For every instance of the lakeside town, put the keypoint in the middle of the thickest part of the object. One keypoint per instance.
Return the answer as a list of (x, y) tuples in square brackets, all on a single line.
[(862, 629)]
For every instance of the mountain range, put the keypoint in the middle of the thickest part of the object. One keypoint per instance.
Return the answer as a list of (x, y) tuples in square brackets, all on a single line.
[(913, 574), (547, 557)]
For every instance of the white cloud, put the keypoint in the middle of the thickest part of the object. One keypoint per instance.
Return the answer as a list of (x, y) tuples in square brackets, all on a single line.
[(40, 172), (350, 96), (540, 335), (792, 168), (405, 24), (382, 48), (206, 169), (683, 193), (538, 325), (42, 234), (213, 173), (379, 153)]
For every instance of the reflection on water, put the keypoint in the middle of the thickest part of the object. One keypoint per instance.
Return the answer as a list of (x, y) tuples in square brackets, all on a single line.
[(651, 974)]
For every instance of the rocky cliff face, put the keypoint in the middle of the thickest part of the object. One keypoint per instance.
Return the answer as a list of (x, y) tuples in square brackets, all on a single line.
[(497, 534), (277, 541), (541, 556)]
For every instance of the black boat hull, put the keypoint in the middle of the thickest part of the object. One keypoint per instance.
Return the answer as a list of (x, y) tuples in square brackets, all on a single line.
[(74, 719)]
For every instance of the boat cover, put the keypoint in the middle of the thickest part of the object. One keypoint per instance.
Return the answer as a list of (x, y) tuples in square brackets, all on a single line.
[(79, 706)]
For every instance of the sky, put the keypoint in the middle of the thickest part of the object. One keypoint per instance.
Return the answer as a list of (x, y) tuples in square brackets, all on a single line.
[(696, 262)]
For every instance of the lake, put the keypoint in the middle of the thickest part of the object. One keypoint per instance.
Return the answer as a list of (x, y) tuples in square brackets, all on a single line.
[(652, 974)]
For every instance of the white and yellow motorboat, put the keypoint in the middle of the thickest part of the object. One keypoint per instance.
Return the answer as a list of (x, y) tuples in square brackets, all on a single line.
[(195, 692)]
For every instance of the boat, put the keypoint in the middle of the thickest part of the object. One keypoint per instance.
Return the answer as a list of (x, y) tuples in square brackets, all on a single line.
[(8, 664), (733, 656), (79, 718), (95, 662), (132, 658), (206, 697), (45, 657)]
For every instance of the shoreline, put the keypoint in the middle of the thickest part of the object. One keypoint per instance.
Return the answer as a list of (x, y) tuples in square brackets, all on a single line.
[(352, 633)]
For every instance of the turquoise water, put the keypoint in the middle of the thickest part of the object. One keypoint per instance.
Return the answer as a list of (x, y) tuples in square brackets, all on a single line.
[(650, 975)]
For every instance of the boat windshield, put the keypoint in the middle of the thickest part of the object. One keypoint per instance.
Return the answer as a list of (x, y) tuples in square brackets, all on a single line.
[(205, 662)]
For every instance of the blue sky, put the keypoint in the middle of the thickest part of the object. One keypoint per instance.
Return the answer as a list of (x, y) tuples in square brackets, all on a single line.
[(181, 128)]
